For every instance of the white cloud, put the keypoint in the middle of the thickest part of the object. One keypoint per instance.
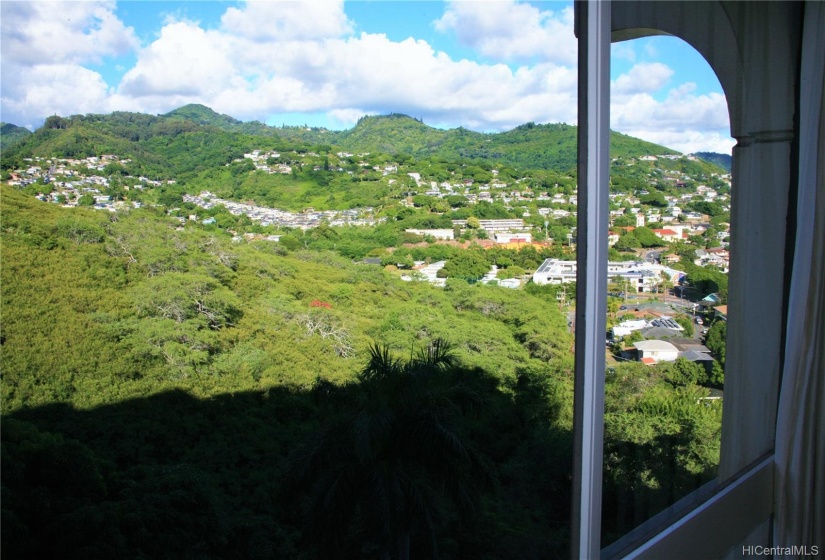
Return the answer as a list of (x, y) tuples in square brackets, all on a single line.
[(184, 61), (644, 77), (623, 50), (62, 32), (369, 73), (683, 121), (687, 141), (287, 20), (304, 60), (44, 47), (51, 89), (512, 31)]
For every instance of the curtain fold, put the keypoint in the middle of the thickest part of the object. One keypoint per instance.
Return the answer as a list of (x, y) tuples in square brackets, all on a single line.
[(800, 434)]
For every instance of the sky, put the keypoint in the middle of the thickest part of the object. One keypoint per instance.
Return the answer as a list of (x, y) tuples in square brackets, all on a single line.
[(487, 65)]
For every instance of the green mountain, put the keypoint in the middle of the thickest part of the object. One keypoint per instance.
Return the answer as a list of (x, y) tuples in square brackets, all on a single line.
[(724, 161), (203, 115), (194, 138), (11, 134), (529, 146)]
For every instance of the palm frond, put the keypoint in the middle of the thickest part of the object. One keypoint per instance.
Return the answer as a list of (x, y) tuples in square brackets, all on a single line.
[(381, 363)]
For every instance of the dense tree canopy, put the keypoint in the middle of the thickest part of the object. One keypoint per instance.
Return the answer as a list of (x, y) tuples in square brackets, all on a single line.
[(233, 397)]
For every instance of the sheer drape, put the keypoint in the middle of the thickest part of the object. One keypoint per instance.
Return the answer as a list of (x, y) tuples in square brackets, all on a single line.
[(800, 434)]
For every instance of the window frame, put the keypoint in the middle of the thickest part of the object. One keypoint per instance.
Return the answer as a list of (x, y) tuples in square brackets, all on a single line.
[(738, 505)]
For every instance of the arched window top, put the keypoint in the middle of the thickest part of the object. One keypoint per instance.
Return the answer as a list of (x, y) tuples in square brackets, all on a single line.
[(759, 61)]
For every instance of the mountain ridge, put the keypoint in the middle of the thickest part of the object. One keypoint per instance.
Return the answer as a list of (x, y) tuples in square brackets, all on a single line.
[(11, 134), (549, 146)]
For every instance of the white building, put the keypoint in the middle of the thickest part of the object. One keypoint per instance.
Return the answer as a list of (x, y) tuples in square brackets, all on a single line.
[(656, 350), (437, 233), (500, 237), (638, 276)]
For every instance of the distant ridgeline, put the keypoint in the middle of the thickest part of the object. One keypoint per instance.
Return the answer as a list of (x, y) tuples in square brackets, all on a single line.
[(11, 135), (722, 160), (195, 137)]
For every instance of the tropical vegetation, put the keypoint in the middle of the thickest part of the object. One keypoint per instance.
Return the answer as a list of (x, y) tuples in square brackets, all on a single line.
[(176, 384)]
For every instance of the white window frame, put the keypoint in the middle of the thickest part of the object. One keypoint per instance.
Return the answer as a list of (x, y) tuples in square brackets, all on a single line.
[(738, 505)]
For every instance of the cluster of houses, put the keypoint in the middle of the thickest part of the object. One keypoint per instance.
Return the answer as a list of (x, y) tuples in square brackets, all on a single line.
[(429, 272), (68, 179), (502, 232), (267, 161), (718, 257), (72, 178), (662, 338), (261, 160), (307, 219)]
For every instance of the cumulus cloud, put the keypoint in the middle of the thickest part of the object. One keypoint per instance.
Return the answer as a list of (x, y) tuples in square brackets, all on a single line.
[(288, 20), (268, 58), (185, 60), (62, 32), (512, 31), (52, 89), (684, 121), (623, 50), (45, 47), (250, 78), (643, 77)]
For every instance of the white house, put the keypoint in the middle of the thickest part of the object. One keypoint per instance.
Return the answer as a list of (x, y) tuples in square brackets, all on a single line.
[(656, 350)]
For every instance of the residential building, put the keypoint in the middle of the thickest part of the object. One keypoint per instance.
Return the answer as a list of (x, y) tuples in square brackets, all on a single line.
[(639, 276), (492, 226), (656, 350), (501, 237), (436, 233)]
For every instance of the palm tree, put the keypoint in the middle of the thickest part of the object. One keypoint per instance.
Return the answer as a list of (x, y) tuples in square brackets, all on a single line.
[(388, 474)]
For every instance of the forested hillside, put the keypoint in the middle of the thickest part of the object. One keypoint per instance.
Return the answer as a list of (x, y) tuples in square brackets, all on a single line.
[(722, 160), (11, 134), (195, 137), (169, 392)]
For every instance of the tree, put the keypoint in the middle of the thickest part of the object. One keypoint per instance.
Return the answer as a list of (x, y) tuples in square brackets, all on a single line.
[(470, 265), (56, 122), (627, 242), (686, 323), (86, 200), (717, 375), (716, 340), (647, 238), (685, 372), (386, 473), (654, 199)]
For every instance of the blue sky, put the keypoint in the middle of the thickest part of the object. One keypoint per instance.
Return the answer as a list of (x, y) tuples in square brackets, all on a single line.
[(486, 65)]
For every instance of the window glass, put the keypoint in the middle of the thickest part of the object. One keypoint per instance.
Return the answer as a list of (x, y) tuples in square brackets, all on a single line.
[(667, 286)]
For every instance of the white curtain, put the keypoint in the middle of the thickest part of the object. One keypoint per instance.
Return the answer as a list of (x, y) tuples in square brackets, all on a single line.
[(800, 434)]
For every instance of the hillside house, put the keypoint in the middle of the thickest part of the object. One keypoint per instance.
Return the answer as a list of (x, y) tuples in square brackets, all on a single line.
[(656, 351)]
